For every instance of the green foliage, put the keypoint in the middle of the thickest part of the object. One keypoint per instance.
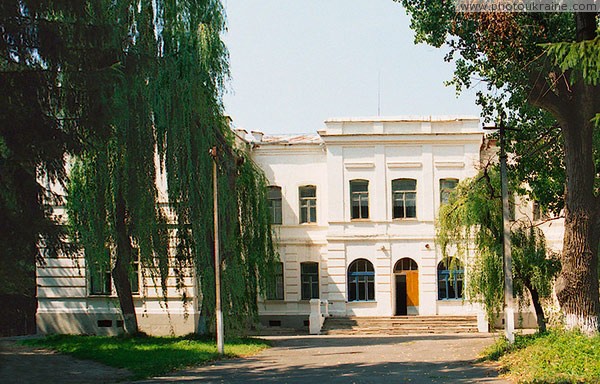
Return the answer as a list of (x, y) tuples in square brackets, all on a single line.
[(506, 52), (582, 56), (471, 226), (147, 356), (163, 99), (553, 357)]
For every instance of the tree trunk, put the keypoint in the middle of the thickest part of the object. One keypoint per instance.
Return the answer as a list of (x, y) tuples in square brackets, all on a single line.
[(120, 272), (577, 284), (539, 310), (574, 104)]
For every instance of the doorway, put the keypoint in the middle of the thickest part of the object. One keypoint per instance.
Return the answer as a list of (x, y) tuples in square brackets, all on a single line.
[(401, 302), (407, 287)]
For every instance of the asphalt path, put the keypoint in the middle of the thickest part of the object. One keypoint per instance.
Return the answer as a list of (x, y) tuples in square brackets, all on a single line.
[(353, 359)]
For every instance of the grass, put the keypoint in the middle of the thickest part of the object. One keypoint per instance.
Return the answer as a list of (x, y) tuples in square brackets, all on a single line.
[(552, 357), (147, 356)]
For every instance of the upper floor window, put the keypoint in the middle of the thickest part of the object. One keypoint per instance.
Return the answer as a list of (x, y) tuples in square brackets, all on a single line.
[(446, 188), (276, 290), (308, 204), (309, 277), (274, 200), (359, 199), (450, 279), (361, 281), (404, 198)]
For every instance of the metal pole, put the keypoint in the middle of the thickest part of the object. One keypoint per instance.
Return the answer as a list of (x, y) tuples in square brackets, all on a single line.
[(509, 314), (219, 312)]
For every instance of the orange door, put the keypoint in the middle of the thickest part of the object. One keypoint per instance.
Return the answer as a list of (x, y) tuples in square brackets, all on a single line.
[(412, 288)]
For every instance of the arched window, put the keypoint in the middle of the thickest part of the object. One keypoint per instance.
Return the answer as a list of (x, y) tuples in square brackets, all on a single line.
[(274, 200), (404, 198), (405, 264), (361, 281), (359, 199), (450, 279)]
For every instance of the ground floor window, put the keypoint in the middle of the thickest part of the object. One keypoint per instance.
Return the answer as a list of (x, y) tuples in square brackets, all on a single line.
[(361, 281), (450, 279), (275, 291), (100, 279), (309, 276)]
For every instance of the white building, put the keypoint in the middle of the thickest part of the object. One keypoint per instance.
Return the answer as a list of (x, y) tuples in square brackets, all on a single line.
[(354, 209)]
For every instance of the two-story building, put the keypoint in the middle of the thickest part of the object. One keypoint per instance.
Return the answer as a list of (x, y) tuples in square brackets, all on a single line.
[(354, 208)]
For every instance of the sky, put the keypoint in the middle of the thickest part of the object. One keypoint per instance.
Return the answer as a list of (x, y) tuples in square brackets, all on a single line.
[(296, 63)]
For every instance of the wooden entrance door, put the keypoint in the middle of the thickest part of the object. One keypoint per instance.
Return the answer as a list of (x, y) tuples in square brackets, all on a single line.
[(407, 285), (412, 288)]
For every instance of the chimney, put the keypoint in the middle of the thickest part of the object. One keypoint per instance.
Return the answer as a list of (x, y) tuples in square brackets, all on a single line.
[(258, 136), (241, 133)]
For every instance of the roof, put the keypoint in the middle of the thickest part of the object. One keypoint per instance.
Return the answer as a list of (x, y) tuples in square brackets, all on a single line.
[(402, 118), (291, 139)]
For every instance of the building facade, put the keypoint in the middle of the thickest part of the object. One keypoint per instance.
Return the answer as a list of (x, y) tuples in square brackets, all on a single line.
[(353, 208)]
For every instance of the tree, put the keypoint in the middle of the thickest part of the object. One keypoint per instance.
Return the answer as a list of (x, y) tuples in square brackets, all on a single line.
[(189, 119), (473, 218), (38, 128), (506, 51), (164, 98)]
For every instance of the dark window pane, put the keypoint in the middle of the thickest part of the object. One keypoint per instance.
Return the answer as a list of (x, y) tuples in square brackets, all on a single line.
[(308, 191), (310, 281), (404, 185)]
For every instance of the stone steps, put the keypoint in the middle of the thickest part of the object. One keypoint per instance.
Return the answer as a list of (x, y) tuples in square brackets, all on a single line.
[(399, 325)]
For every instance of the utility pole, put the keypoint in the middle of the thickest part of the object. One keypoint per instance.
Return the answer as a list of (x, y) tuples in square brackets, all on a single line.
[(218, 310), (509, 312)]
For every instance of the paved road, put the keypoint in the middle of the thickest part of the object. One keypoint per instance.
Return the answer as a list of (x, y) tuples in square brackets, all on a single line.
[(338, 359)]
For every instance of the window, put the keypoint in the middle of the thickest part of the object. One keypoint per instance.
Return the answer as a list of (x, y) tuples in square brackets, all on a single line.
[(450, 279), (100, 282), (309, 275), (274, 201), (361, 281), (275, 291), (134, 277), (404, 196), (406, 264), (446, 188), (359, 199), (308, 204)]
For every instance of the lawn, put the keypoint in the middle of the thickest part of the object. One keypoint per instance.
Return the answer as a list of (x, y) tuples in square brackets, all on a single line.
[(552, 357), (147, 356)]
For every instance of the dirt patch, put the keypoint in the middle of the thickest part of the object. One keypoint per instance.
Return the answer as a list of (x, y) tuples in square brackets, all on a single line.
[(23, 364)]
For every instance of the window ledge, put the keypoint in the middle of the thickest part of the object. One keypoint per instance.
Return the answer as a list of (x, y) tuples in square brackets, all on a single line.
[(362, 302), (450, 300), (361, 220), (405, 219)]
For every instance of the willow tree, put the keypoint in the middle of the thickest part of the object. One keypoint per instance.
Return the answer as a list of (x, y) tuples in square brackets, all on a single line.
[(190, 121), (165, 111), (508, 52), (471, 226)]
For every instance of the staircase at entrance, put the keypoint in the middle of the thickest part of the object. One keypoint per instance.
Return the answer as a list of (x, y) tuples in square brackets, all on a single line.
[(399, 325)]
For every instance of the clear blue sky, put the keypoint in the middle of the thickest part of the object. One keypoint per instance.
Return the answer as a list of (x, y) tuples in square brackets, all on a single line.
[(295, 63)]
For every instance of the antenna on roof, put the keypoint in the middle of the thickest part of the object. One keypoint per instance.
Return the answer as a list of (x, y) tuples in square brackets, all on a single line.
[(379, 93)]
